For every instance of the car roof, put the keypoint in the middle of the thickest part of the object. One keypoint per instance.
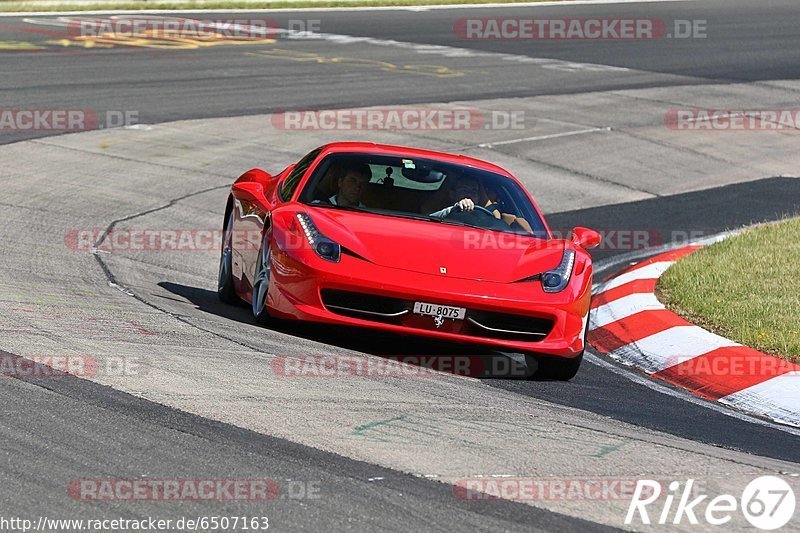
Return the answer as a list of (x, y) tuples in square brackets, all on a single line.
[(388, 149)]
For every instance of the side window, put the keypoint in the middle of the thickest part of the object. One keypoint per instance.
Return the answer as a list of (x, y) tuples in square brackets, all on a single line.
[(293, 179)]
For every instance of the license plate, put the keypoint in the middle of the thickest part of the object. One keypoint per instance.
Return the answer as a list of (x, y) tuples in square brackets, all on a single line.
[(445, 311)]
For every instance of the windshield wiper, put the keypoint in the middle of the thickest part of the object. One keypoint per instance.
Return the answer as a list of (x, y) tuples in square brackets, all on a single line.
[(412, 216), (342, 207), (440, 220), (465, 224)]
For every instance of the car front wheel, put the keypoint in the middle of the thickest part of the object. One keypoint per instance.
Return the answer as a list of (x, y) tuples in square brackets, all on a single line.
[(225, 289), (261, 284), (558, 368)]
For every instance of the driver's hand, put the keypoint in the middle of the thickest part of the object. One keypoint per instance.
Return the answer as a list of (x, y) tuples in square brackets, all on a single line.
[(465, 205)]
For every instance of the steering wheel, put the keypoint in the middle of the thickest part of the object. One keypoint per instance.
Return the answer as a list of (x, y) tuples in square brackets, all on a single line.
[(476, 209), (479, 216)]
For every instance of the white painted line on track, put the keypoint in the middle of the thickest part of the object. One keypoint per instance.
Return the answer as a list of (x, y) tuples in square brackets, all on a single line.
[(670, 347), (623, 308), (432, 49), (776, 397), (333, 9), (544, 137), (455, 52)]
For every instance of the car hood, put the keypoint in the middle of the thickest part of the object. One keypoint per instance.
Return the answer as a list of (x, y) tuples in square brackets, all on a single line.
[(429, 247)]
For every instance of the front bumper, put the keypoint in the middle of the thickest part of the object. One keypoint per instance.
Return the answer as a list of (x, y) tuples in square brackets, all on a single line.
[(554, 324)]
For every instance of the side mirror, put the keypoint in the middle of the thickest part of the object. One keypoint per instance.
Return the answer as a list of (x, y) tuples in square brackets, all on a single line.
[(585, 237), (255, 174), (250, 190)]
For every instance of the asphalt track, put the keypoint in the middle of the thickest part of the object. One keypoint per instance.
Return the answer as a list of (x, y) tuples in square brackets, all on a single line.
[(174, 424), (747, 41)]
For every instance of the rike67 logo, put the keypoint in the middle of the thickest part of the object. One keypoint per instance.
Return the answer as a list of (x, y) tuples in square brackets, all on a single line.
[(767, 503)]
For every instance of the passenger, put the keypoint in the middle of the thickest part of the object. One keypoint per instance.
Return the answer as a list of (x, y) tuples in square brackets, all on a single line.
[(352, 183)]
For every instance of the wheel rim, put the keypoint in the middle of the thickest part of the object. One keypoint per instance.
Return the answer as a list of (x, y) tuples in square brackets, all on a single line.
[(226, 255), (261, 282)]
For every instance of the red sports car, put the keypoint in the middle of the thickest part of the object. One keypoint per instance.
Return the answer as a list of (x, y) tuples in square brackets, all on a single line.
[(408, 241)]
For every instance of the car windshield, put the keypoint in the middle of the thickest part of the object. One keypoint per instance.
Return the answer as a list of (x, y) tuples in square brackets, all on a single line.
[(423, 189)]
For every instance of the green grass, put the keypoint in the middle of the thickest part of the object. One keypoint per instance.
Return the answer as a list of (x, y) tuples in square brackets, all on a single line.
[(16, 6), (745, 288)]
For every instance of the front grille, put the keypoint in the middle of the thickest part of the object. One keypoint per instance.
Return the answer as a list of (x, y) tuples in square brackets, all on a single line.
[(507, 326), (361, 305), (476, 323)]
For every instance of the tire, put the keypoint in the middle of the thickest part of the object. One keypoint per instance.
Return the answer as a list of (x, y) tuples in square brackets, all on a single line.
[(558, 369), (261, 282), (225, 290)]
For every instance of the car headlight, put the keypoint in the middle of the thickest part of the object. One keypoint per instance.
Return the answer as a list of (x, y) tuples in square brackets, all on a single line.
[(557, 279), (322, 245)]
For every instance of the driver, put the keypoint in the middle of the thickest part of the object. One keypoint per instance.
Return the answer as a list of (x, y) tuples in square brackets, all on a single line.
[(464, 193)]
